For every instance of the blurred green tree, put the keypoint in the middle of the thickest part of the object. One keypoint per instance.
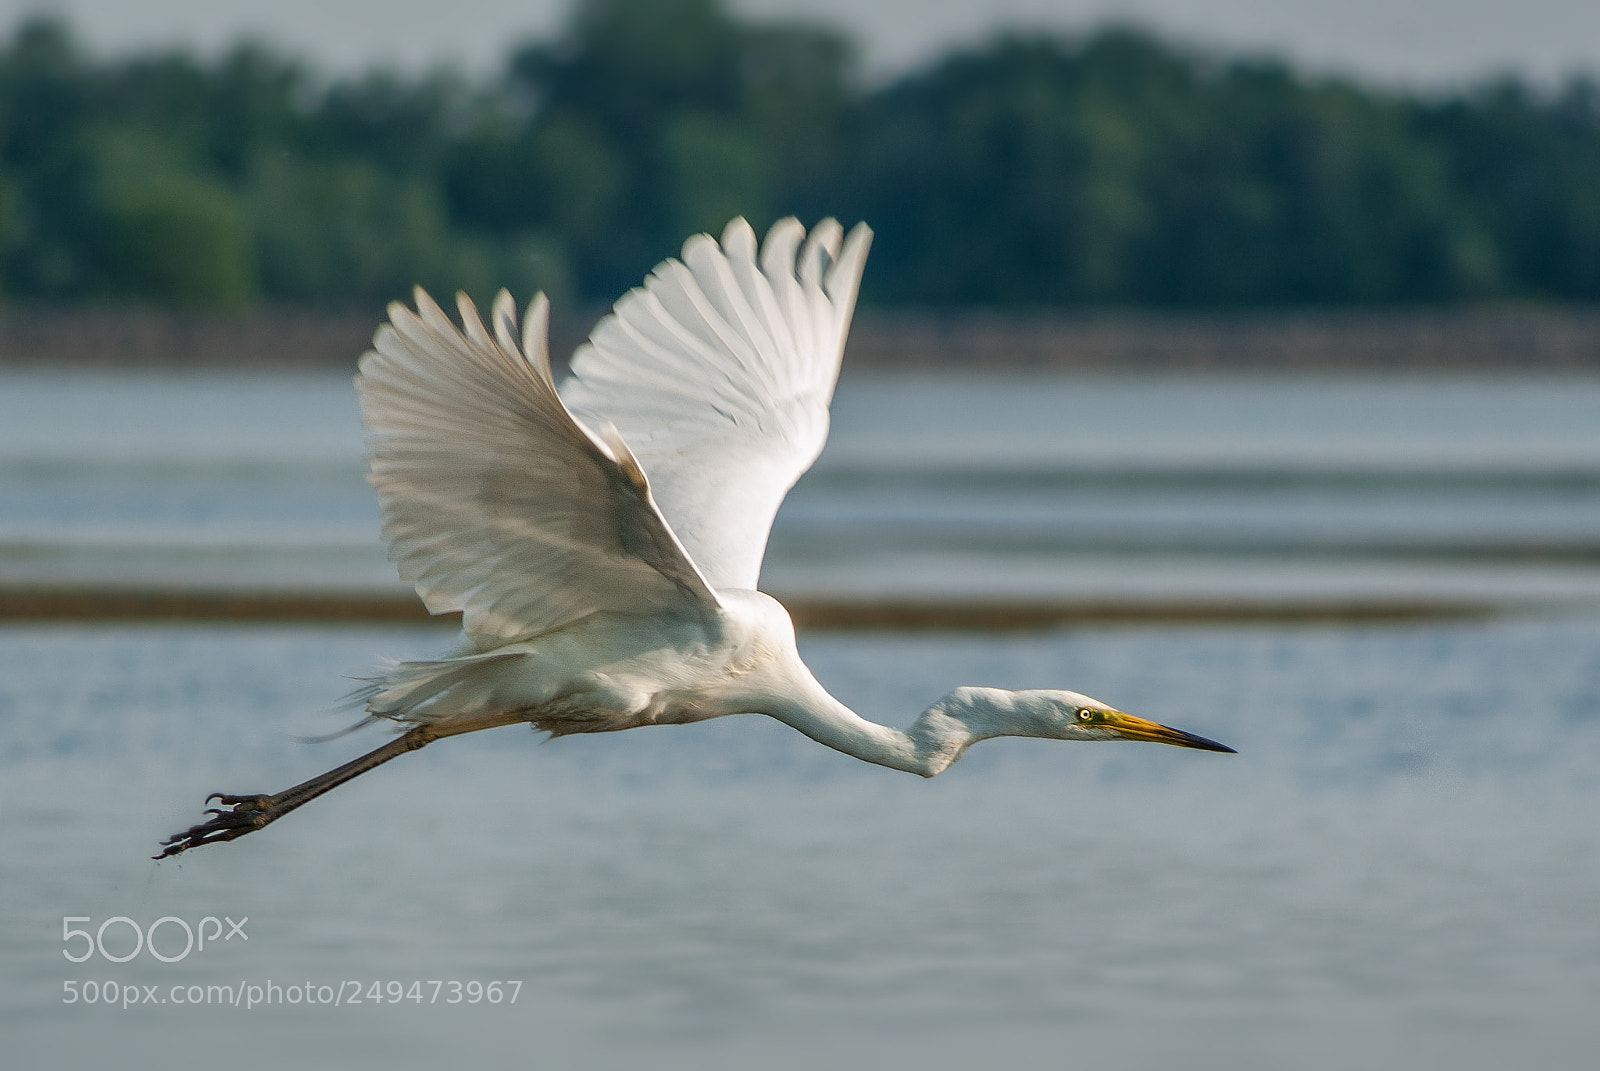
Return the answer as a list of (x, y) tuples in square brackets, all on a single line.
[(650, 119), (1113, 168)]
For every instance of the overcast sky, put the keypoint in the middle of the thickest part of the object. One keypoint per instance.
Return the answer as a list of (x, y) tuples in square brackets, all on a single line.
[(1420, 42)]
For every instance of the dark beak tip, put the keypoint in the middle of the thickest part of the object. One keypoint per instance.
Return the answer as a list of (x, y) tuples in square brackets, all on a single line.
[(1202, 744)]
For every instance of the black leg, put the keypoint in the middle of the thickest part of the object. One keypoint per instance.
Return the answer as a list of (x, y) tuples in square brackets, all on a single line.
[(246, 814)]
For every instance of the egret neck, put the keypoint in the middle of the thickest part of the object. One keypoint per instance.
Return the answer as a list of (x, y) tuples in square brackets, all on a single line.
[(939, 736)]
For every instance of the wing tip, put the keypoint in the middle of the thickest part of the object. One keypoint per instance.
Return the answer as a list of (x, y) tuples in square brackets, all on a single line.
[(425, 303), (844, 276), (739, 240), (536, 337), (471, 322), (503, 316), (822, 242)]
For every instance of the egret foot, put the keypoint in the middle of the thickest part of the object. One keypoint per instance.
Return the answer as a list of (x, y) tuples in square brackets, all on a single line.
[(247, 814)]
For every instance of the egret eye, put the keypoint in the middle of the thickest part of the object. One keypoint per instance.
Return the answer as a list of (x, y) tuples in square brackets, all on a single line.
[(1085, 714)]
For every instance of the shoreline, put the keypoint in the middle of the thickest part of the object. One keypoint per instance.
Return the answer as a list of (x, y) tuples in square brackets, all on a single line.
[(1495, 338), (74, 604)]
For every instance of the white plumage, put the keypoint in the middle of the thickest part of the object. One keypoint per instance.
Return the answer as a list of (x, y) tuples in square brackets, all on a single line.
[(603, 544), (718, 372)]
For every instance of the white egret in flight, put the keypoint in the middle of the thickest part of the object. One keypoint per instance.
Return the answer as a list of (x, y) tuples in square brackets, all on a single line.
[(603, 543)]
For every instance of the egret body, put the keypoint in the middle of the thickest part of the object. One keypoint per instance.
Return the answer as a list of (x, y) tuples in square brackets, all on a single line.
[(603, 542)]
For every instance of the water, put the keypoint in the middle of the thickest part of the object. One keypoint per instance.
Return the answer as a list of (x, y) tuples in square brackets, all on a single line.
[(1399, 868), (1219, 487)]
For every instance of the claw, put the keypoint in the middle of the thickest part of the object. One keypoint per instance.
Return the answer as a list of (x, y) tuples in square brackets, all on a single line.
[(245, 814), (255, 802)]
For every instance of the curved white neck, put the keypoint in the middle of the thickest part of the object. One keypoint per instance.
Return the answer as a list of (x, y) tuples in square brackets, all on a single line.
[(938, 737)]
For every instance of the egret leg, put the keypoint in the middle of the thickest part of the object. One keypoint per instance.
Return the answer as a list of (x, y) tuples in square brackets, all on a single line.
[(246, 814)]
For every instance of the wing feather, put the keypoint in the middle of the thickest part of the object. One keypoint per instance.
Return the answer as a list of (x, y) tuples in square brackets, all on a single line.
[(496, 501), (718, 371)]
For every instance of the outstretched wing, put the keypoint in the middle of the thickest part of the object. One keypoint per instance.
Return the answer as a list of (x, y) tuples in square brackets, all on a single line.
[(496, 501), (718, 371)]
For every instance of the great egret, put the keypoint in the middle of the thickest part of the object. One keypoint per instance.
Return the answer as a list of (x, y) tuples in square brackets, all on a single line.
[(603, 543)]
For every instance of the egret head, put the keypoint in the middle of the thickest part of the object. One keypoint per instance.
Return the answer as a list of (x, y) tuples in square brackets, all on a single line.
[(1069, 716)]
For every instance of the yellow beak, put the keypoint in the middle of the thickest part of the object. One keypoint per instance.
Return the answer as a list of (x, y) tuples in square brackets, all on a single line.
[(1132, 728)]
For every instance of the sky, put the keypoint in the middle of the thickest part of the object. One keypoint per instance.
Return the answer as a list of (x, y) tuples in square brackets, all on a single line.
[(1424, 43)]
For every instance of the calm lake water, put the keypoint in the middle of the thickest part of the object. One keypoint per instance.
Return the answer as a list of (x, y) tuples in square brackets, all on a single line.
[(1399, 869)]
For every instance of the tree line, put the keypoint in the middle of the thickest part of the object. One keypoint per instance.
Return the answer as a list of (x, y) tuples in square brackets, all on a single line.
[(1113, 168)]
